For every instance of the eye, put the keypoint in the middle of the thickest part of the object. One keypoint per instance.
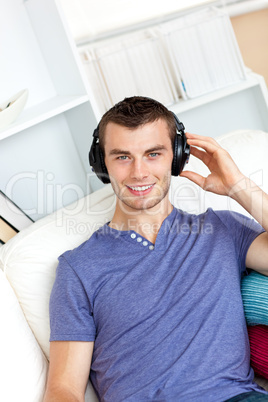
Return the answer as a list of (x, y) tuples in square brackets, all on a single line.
[(122, 157), (153, 154)]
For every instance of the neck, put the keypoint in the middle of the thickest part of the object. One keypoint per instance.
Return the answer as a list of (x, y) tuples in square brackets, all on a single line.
[(145, 222)]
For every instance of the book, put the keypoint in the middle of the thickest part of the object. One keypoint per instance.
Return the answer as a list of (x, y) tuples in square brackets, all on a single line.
[(203, 51), (96, 80), (183, 58), (12, 218), (7, 231), (133, 64)]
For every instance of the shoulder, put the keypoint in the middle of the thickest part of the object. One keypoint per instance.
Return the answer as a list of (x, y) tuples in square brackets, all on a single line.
[(217, 216), (208, 215), (224, 219), (235, 219), (88, 250)]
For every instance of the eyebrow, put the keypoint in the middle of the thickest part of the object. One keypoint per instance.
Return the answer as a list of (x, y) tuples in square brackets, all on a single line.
[(117, 151)]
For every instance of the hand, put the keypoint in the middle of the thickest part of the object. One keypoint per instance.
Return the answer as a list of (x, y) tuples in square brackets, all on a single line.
[(224, 174)]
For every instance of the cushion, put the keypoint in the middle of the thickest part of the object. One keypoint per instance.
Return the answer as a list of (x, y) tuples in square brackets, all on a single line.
[(29, 259), (258, 339), (254, 288), (23, 366)]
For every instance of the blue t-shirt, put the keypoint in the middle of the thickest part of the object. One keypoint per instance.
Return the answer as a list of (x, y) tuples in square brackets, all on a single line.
[(167, 318)]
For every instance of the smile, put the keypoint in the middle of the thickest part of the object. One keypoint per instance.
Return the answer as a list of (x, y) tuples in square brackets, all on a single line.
[(142, 188)]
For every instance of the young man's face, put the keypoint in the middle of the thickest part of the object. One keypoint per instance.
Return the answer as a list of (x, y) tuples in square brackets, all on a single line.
[(139, 164)]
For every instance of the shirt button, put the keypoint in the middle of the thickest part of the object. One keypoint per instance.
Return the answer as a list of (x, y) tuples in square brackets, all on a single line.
[(151, 247), (145, 243), (133, 236), (139, 239)]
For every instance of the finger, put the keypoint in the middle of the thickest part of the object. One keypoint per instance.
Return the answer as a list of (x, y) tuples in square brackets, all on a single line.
[(202, 155), (194, 177), (201, 137), (208, 146)]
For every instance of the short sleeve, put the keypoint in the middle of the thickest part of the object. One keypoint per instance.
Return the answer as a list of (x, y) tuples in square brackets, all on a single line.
[(71, 317), (243, 231)]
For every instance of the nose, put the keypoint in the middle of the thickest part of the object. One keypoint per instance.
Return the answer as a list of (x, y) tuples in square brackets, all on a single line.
[(139, 170)]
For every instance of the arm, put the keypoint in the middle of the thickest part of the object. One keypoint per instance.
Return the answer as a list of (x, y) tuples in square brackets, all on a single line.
[(226, 179), (68, 371), (255, 201)]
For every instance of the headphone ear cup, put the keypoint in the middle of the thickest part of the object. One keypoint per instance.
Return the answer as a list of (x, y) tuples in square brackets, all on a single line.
[(177, 156), (96, 161)]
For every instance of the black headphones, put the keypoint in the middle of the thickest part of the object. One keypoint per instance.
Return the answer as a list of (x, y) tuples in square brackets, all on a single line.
[(181, 153)]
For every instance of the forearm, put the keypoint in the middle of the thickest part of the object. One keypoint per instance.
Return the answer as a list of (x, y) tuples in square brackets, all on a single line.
[(253, 199), (61, 394), (68, 371)]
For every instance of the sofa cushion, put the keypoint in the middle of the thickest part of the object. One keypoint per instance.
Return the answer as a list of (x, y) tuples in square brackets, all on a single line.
[(254, 288), (23, 366), (258, 339), (29, 259)]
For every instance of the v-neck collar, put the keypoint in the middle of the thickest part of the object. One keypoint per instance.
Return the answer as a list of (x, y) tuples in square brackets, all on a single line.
[(136, 238)]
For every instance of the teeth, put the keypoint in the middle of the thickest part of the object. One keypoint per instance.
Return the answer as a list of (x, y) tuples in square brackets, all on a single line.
[(143, 188)]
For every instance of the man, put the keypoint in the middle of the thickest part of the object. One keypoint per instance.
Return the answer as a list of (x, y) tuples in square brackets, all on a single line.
[(151, 306)]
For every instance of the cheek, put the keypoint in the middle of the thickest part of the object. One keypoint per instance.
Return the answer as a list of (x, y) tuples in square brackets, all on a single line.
[(117, 173), (164, 169)]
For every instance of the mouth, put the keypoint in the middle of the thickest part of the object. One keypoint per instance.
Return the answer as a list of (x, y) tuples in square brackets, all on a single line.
[(140, 190)]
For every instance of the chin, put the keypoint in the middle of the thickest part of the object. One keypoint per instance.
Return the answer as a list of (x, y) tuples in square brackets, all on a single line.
[(142, 204)]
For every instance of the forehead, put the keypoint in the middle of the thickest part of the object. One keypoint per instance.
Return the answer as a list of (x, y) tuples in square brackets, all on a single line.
[(142, 137)]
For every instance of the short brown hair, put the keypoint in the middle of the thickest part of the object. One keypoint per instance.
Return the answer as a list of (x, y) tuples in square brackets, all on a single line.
[(134, 112)]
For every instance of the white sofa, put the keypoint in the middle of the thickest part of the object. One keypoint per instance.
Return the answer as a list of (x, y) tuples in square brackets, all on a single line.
[(29, 260)]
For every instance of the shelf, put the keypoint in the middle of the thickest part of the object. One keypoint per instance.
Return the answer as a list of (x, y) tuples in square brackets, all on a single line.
[(61, 104), (189, 104), (41, 112)]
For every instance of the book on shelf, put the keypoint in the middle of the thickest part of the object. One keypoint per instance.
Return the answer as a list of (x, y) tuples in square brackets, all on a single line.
[(131, 65), (203, 51), (96, 80), (180, 59), (12, 218), (7, 231)]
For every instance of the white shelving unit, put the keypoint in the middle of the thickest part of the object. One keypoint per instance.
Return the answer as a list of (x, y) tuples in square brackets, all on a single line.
[(44, 153), (42, 112), (240, 106)]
